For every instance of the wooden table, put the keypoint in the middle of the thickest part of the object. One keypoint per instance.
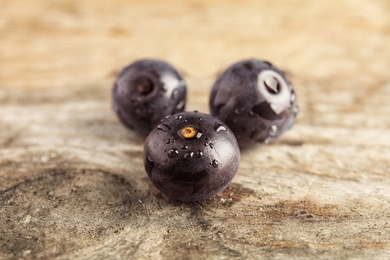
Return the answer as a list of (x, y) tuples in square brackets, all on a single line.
[(72, 183)]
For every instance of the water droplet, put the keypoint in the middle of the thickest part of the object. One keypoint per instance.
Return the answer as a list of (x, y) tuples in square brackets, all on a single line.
[(172, 153), (180, 105), (218, 127), (251, 113), (161, 127), (238, 111), (199, 154), (178, 117), (175, 93), (273, 130), (184, 147), (170, 141), (200, 118), (199, 134), (214, 163), (188, 156), (295, 111), (211, 145), (293, 98)]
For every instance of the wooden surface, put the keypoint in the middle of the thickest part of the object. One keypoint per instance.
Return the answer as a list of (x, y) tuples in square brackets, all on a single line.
[(72, 183)]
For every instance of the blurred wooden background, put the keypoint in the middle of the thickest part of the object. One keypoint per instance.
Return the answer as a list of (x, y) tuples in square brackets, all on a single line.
[(72, 184)]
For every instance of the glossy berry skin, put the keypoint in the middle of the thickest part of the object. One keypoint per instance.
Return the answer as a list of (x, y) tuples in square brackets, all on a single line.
[(145, 92), (256, 100), (191, 156)]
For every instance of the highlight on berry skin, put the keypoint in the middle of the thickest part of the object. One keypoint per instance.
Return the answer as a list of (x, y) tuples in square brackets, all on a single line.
[(256, 100)]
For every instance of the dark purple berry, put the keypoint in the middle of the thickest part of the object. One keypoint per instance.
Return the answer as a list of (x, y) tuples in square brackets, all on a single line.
[(191, 156), (256, 100), (147, 91)]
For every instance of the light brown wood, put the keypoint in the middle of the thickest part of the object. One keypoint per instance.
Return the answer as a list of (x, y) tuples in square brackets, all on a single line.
[(72, 183)]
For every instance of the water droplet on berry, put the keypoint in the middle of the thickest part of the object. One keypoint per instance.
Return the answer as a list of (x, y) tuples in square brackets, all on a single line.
[(172, 153), (161, 127), (273, 130), (188, 156), (170, 141), (184, 147), (214, 163), (199, 154), (251, 113), (149, 162), (179, 117), (293, 98), (238, 111), (175, 93), (218, 127), (180, 105), (211, 145), (295, 111)]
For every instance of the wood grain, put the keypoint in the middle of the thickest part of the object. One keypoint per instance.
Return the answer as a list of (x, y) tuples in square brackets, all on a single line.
[(72, 184)]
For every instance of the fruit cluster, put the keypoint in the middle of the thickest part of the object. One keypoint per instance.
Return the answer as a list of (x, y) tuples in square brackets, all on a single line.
[(192, 156)]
